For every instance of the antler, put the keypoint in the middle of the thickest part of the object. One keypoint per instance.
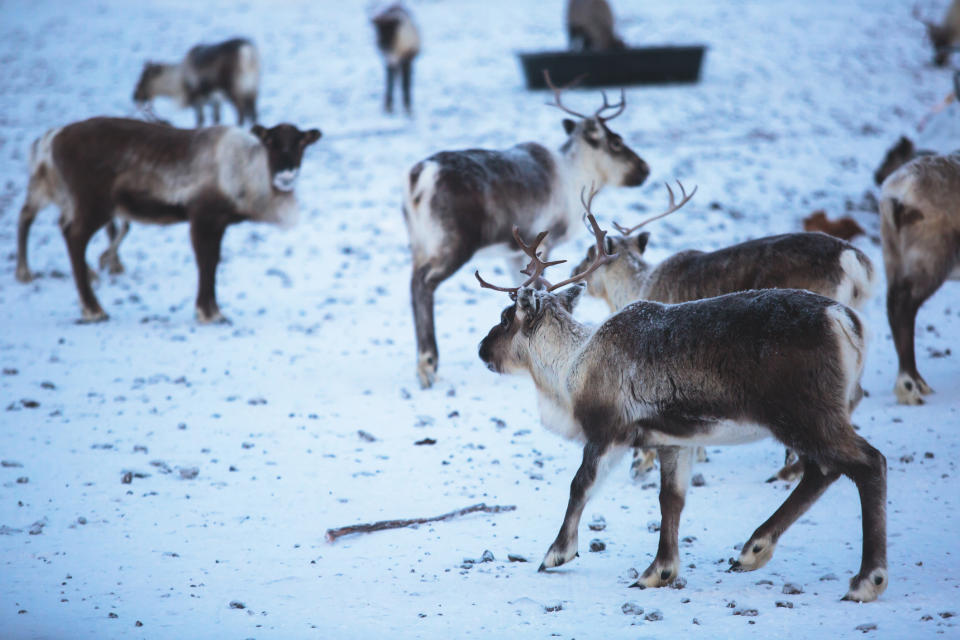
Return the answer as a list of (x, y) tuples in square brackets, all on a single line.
[(557, 91), (602, 256), (685, 198), (534, 268), (537, 266), (606, 105)]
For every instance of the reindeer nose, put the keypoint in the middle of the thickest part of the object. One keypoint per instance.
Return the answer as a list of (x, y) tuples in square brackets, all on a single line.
[(484, 351)]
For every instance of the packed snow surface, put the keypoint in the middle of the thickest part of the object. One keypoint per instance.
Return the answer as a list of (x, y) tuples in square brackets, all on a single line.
[(242, 444)]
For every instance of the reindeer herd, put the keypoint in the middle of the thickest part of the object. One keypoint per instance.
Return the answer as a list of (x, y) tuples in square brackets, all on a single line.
[(754, 340)]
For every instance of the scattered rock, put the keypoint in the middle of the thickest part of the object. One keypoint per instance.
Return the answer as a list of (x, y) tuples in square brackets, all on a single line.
[(946, 614), (112, 615), (906, 459), (632, 609), (23, 480), (597, 545), (487, 556), (747, 613), (792, 589), (679, 583), (10, 464), (37, 527), (127, 477), (698, 480), (366, 437), (828, 577), (404, 394), (513, 557), (189, 473), (425, 441), (553, 606), (868, 626), (928, 455), (783, 604), (236, 604), (8, 531), (653, 526), (138, 624), (29, 404), (597, 524), (654, 616), (498, 423)]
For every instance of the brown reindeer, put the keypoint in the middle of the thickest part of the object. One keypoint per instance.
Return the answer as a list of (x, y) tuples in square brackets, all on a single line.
[(920, 228), (209, 73), (725, 370), (812, 261), (100, 168), (458, 202)]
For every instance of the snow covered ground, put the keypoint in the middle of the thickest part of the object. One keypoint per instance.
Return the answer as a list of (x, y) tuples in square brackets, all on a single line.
[(242, 442)]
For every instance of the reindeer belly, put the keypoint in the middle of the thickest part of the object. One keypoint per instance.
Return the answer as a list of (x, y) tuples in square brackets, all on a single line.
[(720, 432)]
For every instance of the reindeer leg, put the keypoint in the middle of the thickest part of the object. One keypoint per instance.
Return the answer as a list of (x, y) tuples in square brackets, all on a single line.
[(426, 278), (643, 462), (388, 95), (208, 223), (34, 202), (110, 258), (870, 476), (598, 459), (904, 298), (675, 464), (77, 232), (198, 109), (250, 108), (759, 548), (215, 106), (406, 70), (792, 467)]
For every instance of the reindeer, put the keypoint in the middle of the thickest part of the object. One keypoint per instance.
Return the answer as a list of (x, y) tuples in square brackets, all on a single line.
[(724, 370), (96, 169), (458, 202), (920, 230), (399, 43), (943, 36), (207, 75), (813, 261), (590, 26)]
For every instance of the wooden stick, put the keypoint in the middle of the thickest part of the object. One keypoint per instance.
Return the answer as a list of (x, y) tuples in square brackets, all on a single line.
[(333, 534)]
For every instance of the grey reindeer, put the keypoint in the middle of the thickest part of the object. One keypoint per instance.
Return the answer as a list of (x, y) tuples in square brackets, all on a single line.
[(814, 261), (458, 202), (726, 370), (920, 230), (208, 74)]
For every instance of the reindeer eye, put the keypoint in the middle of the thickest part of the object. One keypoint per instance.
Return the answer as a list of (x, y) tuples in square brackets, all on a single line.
[(616, 144)]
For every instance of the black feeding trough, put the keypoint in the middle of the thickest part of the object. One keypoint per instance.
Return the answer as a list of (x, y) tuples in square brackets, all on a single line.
[(617, 67)]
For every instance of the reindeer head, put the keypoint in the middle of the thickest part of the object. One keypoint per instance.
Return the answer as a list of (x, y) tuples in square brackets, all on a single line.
[(625, 271), (285, 145), (602, 150), (155, 80), (537, 314), (898, 155), (941, 37)]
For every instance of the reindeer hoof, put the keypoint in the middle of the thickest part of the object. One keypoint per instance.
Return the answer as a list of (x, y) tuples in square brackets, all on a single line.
[(910, 390), (92, 316), (643, 462), (211, 317), (23, 274), (111, 263), (755, 554), (558, 555), (789, 473), (658, 574), (867, 588), (427, 370)]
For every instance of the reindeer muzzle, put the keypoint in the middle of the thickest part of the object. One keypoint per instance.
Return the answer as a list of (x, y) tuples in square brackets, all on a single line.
[(285, 180)]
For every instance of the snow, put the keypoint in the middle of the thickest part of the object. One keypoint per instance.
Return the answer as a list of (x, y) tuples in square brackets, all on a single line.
[(797, 104)]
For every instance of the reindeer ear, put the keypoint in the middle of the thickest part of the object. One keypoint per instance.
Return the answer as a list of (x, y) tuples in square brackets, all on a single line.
[(311, 136), (571, 296), (259, 131), (642, 241), (569, 125), (528, 301)]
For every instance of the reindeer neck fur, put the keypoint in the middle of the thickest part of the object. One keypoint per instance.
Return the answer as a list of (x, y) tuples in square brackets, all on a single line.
[(553, 351), (574, 173), (627, 279)]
